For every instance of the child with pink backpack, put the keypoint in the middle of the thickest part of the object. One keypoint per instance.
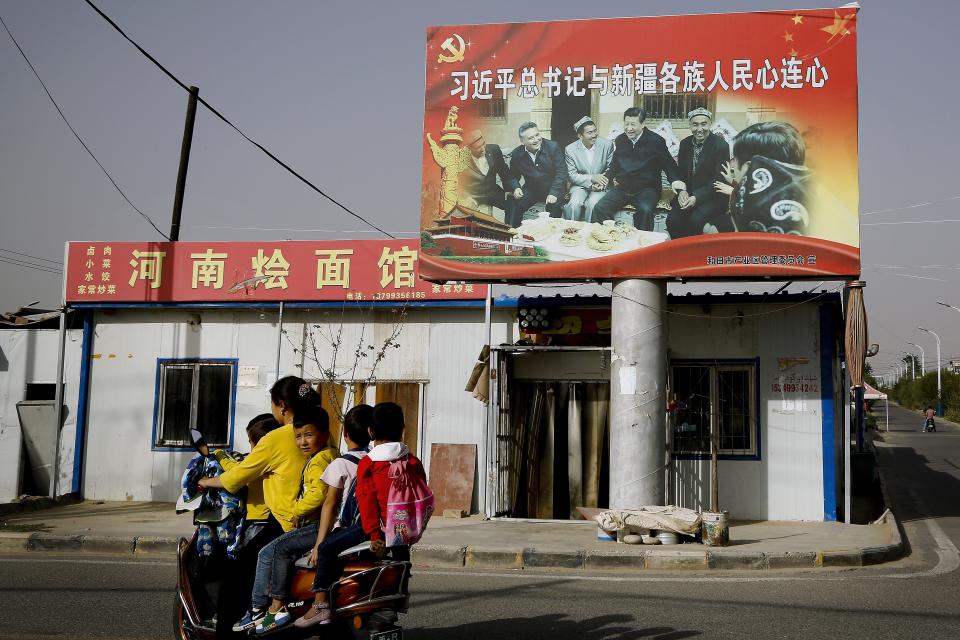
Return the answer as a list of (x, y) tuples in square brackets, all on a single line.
[(394, 500), (389, 493)]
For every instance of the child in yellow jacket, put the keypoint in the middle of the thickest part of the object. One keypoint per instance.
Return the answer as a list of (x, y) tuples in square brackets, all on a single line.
[(312, 434), (308, 429)]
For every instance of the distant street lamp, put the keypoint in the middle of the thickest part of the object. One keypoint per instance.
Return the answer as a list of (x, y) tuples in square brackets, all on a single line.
[(944, 304), (939, 406), (923, 357), (912, 367)]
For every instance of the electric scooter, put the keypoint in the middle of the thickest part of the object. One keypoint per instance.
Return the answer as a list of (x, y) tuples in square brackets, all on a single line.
[(365, 601)]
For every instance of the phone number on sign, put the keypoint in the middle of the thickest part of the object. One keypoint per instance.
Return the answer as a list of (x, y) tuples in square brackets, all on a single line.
[(793, 388), (399, 295)]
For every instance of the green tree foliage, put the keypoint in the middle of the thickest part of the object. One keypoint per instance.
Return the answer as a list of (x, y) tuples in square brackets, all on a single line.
[(922, 393)]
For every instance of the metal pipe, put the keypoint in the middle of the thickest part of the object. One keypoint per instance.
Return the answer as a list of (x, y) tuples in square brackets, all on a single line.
[(637, 393), (939, 388), (83, 403), (846, 447), (923, 358), (58, 399), (279, 341), (492, 400)]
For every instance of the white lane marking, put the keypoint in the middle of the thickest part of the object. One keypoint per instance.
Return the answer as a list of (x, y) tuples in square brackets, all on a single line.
[(949, 556), (68, 560)]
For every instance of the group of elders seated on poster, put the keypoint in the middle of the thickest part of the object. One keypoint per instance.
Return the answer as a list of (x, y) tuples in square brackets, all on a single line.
[(595, 180)]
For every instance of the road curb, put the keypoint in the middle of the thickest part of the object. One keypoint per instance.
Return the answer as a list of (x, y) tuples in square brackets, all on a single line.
[(845, 558), (153, 545), (624, 558), (792, 560), (427, 555), (108, 544), (736, 561), (53, 542), (536, 559), (895, 550), (14, 541), (615, 561), (677, 560), (485, 558)]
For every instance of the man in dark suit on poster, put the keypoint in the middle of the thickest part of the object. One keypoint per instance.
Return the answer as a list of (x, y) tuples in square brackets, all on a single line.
[(478, 181), (640, 156), (541, 164), (702, 159)]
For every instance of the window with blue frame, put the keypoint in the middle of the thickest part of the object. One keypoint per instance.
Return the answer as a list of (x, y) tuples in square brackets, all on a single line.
[(715, 398), (194, 394)]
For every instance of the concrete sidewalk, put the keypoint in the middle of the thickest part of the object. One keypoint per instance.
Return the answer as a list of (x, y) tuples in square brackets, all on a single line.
[(475, 543)]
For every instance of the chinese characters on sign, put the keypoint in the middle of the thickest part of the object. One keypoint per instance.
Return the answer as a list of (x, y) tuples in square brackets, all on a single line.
[(218, 271), (97, 276), (646, 78)]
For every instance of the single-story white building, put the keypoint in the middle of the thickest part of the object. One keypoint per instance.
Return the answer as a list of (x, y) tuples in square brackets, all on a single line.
[(764, 372)]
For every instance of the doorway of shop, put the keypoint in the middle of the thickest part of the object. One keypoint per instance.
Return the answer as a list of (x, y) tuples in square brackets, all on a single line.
[(551, 432)]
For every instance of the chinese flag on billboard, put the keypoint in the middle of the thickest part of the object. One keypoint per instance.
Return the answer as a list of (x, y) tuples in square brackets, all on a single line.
[(700, 146)]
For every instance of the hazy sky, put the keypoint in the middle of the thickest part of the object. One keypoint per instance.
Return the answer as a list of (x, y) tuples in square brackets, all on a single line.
[(336, 90)]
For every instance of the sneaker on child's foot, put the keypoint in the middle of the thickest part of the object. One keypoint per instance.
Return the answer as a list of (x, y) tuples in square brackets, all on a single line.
[(249, 620), (273, 620), (319, 614)]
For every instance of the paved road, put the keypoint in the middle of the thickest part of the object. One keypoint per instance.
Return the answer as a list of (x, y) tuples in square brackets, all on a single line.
[(49, 596)]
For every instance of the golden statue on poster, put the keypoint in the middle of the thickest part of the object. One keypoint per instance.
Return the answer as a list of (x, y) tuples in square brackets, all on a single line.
[(452, 159)]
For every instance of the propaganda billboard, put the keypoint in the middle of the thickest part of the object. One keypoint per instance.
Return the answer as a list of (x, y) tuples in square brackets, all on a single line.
[(329, 270), (702, 146)]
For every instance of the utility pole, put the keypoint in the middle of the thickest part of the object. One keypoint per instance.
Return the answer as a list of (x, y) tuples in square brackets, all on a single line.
[(939, 388), (923, 358), (184, 161), (637, 393)]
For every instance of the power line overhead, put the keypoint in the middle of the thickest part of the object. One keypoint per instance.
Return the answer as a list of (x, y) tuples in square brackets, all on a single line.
[(222, 117), (77, 135)]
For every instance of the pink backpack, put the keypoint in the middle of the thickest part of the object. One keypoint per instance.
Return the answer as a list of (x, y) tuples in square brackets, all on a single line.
[(409, 504)]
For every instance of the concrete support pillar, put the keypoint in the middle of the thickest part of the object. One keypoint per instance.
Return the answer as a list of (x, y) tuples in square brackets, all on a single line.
[(638, 393)]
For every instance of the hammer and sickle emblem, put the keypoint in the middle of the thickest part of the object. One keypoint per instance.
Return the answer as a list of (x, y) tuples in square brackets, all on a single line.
[(455, 51)]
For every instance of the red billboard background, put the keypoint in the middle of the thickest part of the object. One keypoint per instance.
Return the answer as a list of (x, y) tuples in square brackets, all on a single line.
[(469, 67), (334, 270)]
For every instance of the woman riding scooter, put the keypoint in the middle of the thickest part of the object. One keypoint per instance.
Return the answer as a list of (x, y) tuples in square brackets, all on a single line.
[(278, 462)]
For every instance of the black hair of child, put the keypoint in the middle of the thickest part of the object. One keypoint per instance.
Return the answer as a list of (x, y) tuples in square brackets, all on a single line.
[(261, 426), (387, 422), (303, 400), (776, 140), (356, 422)]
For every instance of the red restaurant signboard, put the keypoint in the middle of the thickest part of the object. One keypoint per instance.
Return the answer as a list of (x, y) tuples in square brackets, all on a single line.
[(329, 270)]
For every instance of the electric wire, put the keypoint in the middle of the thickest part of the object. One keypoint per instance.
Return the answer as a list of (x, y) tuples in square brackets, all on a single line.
[(899, 222), (231, 228), (217, 113), (26, 265), (77, 135), (27, 255), (916, 205)]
